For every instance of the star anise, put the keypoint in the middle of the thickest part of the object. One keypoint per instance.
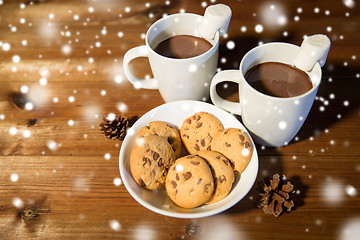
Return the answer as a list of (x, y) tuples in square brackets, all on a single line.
[(193, 229), (276, 195)]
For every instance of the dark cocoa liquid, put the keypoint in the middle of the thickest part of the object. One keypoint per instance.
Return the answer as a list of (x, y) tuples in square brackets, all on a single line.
[(278, 79), (182, 46)]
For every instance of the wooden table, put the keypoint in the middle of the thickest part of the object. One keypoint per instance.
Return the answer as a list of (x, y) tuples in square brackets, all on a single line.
[(59, 176)]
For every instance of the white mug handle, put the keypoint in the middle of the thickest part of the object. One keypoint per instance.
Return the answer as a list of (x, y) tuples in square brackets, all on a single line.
[(226, 75), (133, 53)]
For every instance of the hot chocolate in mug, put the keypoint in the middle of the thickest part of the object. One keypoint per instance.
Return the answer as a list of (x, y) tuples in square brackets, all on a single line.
[(176, 79), (272, 121)]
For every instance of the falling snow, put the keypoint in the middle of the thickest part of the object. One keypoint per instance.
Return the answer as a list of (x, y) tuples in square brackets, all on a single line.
[(52, 145), (115, 225), (259, 28), (71, 122), (272, 15), (14, 177), (351, 191), (18, 203), (269, 16), (24, 89), (349, 3), (71, 99), (230, 45), (122, 107), (16, 59), (117, 181), (107, 156), (333, 192), (350, 230), (6, 47), (111, 116), (26, 133), (12, 130), (118, 79)]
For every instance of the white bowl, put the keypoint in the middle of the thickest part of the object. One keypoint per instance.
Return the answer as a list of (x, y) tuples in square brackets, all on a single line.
[(158, 201)]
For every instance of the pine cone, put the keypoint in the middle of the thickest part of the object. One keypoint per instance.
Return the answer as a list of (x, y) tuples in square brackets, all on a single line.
[(115, 128), (276, 196)]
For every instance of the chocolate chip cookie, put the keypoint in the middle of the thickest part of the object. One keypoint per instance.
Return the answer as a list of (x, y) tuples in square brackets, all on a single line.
[(198, 130), (222, 171), (189, 182), (235, 145), (166, 130), (150, 160)]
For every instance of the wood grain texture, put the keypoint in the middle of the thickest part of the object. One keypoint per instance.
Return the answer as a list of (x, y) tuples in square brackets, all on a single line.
[(60, 168)]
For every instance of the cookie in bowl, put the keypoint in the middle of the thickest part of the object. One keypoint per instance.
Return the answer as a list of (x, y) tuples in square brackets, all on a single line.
[(198, 130), (223, 173), (163, 129), (190, 182), (150, 160), (234, 144)]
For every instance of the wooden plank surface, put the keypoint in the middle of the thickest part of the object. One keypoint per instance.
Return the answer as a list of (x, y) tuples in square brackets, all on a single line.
[(59, 167)]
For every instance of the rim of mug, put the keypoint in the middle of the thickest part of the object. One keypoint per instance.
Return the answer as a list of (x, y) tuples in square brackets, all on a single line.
[(210, 51), (314, 88)]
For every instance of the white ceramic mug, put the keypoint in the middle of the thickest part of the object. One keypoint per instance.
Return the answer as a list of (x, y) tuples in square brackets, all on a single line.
[(272, 121), (176, 79)]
